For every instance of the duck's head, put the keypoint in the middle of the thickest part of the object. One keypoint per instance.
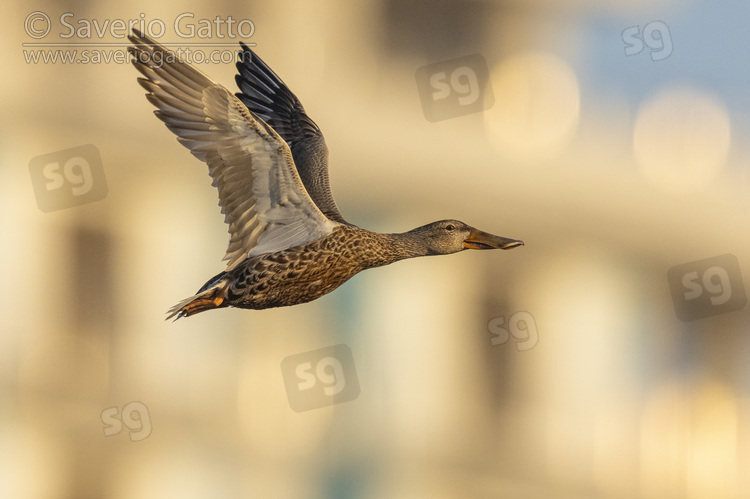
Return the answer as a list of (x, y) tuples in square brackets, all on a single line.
[(451, 236)]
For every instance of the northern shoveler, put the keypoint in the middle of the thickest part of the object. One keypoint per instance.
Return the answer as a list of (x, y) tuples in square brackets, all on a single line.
[(288, 241)]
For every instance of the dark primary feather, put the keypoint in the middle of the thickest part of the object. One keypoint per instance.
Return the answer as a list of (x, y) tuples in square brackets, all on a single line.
[(266, 95)]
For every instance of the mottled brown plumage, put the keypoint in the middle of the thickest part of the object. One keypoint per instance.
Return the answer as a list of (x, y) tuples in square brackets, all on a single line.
[(289, 243)]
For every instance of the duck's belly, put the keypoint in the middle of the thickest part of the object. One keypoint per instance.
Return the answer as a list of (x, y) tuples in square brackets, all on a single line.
[(289, 277)]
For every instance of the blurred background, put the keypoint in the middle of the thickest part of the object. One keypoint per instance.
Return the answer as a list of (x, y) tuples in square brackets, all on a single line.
[(611, 139)]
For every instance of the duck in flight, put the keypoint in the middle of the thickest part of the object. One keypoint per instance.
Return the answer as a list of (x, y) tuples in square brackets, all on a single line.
[(288, 242)]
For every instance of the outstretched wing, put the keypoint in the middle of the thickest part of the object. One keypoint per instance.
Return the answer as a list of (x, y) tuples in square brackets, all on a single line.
[(260, 193), (266, 95)]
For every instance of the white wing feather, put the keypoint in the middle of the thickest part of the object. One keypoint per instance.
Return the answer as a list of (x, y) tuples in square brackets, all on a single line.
[(261, 195)]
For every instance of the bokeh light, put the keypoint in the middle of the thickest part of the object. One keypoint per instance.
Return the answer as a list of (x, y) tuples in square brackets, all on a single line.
[(681, 138), (537, 106)]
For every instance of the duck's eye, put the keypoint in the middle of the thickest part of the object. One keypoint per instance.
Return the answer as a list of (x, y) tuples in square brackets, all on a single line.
[(450, 227)]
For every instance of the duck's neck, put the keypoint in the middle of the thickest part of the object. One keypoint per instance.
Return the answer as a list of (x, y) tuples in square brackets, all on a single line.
[(389, 248)]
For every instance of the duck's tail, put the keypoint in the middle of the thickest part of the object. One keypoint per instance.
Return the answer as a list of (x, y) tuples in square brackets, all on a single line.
[(214, 297)]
